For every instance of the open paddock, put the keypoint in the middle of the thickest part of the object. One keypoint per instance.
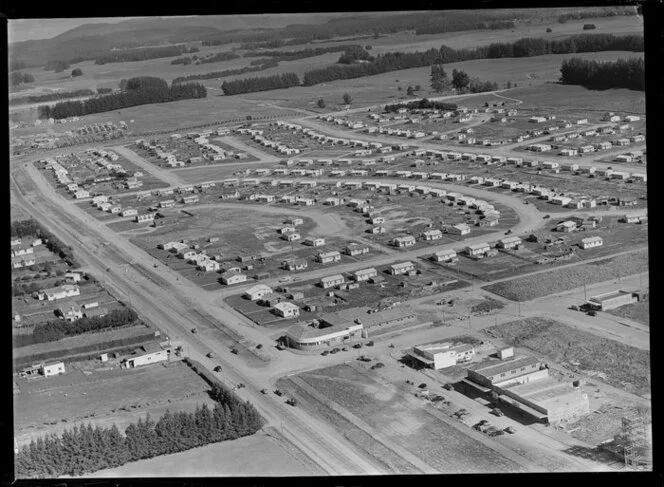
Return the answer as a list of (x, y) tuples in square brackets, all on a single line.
[(559, 280), (491, 268), (639, 312), (105, 397), (263, 454)]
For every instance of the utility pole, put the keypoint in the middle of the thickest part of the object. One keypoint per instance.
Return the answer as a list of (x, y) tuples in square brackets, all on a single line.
[(584, 293)]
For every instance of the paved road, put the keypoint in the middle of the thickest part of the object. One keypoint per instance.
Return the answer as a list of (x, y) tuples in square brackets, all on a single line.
[(164, 174), (173, 311)]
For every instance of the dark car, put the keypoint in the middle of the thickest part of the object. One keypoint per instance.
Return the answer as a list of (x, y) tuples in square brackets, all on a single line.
[(592, 312), (546, 216), (218, 368)]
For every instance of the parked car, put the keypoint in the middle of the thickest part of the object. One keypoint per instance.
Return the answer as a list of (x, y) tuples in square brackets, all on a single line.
[(510, 430), (497, 412), (218, 368), (193, 330), (234, 351), (278, 392), (546, 216), (291, 401), (325, 352), (263, 391), (592, 312), (210, 355)]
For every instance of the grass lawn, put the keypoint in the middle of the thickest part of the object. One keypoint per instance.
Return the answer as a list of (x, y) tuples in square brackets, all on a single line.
[(625, 367)]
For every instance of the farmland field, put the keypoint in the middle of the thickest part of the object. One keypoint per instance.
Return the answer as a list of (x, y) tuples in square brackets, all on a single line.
[(527, 288), (625, 367), (105, 397)]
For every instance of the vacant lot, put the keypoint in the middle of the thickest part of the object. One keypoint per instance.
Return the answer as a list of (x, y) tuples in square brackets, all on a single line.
[(624, 367), (531, 287), (638, 312), (385, 422), (105, 397), (258, 455)]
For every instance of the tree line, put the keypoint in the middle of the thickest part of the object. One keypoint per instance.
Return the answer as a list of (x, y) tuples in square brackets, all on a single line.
[(422, 104), (301, 54), (142, 54), (622, 73), (31, 228), (60, 95), (213, 58), (86, 449), (16, 78), (595, 13), (442, 27), (393, 61), (54, 330), (137, 91), (58, 329), (217, 74), (249, 85)]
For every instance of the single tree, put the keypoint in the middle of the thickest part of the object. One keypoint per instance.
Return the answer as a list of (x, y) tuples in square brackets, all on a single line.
[(321, 103), (123, 84), (410, 91), (460, 79), (439, 79), (418, 87), (347, 99), (76, 72)]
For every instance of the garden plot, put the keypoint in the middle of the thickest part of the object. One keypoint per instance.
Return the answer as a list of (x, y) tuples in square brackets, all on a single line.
[(105, 397), (559, 280), (383, 420)]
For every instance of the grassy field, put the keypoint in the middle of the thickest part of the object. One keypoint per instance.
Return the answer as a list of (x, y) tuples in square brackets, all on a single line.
[(408, 424), (625, 367), (105, 396), (638, 312), (259, 455), (531, 287)]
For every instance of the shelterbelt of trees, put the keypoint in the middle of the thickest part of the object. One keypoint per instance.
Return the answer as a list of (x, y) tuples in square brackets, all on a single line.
[(31, 228), (60, 95), (249, 85), (526, 47), (622, 73), (55, 330), (86, 449), (142, 54), (142, 90)]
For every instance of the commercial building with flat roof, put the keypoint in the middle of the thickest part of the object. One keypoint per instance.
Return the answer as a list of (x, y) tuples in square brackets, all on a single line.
[(612, 300), (440, 355)]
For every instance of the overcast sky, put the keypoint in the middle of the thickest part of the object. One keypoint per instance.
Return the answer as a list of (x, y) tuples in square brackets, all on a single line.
[(28, 29)]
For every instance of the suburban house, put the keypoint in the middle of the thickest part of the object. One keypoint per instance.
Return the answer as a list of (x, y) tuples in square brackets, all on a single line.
[(405, 241), (356, 249), (460, 229), (328, 257), (478, 250), (145, 217), (286, 309), (510, 243), (296, 264), (291, 237), (229, 278), (432, 234), (591, 242), (365, 274), (331, 281), (566, 226), (61, 292), (314, 241), (445, 256), (401, 268)]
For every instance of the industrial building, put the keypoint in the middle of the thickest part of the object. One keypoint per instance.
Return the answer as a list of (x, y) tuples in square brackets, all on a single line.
[(611, 300), (440, 355), (524, 383)]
